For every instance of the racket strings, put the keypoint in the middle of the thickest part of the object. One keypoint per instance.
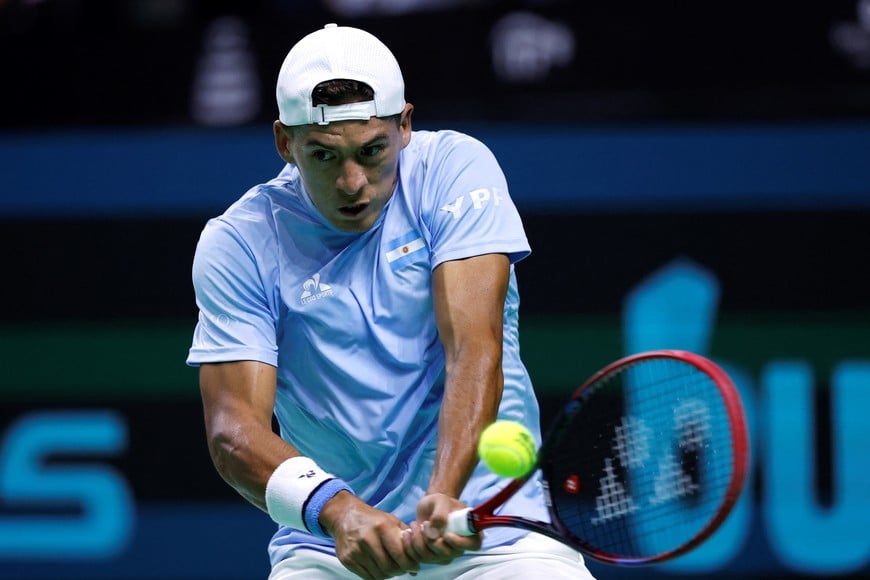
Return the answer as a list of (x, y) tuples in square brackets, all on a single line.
[(642, 467)]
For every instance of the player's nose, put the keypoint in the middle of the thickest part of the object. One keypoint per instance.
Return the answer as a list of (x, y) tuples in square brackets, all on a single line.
[(352, 177)]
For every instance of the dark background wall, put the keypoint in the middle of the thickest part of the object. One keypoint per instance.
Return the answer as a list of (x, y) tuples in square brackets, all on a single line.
[(690, 176)]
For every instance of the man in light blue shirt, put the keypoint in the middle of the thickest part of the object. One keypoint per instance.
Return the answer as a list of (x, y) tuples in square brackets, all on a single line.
[(366, 296)]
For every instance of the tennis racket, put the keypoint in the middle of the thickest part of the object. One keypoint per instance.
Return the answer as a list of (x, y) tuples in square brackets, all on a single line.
[(642, 464)]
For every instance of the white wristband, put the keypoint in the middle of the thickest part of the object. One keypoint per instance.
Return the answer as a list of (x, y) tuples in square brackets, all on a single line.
[(289, 487)]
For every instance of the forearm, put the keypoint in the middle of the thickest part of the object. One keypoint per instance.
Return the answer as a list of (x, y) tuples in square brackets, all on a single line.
[(238, 401), (245, 454), (472, 396), (469, 308)]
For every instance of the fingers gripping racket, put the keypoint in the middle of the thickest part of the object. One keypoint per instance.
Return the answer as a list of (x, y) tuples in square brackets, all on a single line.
[(643, 463)]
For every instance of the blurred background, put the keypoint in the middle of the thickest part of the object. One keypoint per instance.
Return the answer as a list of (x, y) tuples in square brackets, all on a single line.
[(692, 175)]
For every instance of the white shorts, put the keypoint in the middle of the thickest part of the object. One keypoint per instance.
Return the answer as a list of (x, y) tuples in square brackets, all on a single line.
[(534, 556)]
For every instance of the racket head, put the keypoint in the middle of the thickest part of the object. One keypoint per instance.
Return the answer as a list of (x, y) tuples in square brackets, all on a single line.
[(647, 459)]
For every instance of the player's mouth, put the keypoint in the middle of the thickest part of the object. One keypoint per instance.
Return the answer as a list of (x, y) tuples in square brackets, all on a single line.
[(353, 210)]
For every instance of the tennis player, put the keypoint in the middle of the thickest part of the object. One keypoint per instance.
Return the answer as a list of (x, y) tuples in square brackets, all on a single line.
[(366, 297)]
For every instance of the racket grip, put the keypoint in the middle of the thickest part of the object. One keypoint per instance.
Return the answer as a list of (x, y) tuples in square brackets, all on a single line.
[(459, 522)]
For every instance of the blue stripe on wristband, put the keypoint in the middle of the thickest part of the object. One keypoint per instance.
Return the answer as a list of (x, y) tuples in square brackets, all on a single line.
[(315, 502)]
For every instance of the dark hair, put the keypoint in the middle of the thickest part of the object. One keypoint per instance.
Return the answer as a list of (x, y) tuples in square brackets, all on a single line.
[(341, 92), (344, 91)]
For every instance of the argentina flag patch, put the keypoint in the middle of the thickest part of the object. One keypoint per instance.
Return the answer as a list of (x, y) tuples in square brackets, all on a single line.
[(401, 251)]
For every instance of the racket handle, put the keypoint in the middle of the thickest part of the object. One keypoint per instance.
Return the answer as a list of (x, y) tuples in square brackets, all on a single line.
[(459, 522)]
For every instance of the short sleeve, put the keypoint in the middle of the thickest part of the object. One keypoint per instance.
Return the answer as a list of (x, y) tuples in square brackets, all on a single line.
[(471, 212), (235, 319)]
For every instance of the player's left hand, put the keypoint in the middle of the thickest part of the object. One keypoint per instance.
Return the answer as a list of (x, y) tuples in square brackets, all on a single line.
[(428, 542)]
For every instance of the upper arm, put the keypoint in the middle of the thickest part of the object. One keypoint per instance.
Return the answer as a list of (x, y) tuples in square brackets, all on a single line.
[(236, 311), (469, 300), (240, 390)]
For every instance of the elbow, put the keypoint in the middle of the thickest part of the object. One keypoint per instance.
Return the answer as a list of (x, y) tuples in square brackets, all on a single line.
[(234, 454), (228, 448)]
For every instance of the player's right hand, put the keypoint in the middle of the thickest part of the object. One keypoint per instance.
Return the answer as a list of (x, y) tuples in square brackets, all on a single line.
[(428, 542), (368, 541)]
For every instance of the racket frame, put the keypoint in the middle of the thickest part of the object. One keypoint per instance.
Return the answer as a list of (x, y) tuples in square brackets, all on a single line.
[(472, 520)]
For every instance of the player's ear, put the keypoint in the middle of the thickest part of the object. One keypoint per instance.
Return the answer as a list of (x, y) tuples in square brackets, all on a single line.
[(283, 137), (405, 124)]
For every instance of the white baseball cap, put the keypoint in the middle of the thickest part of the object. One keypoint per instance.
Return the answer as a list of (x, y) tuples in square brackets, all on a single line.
[(338, 52)]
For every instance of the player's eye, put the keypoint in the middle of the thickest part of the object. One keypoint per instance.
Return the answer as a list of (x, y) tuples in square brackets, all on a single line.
[(322, 155), (372, 150)]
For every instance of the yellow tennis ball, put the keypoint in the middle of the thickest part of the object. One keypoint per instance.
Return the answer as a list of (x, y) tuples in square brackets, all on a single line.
[(507, 448)]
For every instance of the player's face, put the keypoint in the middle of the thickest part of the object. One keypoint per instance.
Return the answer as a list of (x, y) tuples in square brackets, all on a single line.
[(349, 168)]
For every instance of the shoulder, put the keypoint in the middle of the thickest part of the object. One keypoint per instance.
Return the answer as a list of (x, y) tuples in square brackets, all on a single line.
[(248, 224), (257, 201), (441, 161), (254, 210), (446, 146)]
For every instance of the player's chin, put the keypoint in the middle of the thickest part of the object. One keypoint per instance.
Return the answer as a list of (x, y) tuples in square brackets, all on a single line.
[(355, 219), (352, 225)]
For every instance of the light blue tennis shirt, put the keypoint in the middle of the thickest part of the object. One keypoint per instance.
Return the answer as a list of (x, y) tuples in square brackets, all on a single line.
[(347, 319)]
